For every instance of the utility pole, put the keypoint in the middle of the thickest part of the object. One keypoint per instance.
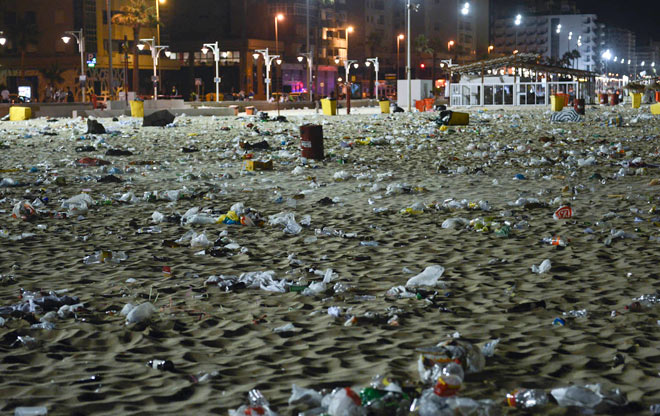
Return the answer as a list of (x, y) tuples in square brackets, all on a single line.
[(110, 81)]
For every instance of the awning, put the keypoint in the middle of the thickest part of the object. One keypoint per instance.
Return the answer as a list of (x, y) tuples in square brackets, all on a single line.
[(520, 60)]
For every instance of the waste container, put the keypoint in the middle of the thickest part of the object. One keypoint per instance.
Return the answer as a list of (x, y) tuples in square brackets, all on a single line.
[(384, 106), (420, 105), (636, 98), (329, 106), (19, 113), (556, 102), (602, 99), (311, 141), (614, 99), (578, 105), (429, 103), (250, 110), (137, 108), (657, 96)]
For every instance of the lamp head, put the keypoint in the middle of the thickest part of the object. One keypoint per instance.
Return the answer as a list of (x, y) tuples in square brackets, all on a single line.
[(224, 54), (140, 46), (255, 56), (451, 43), (279, 17), (355, 65), (367, 64), (162, 1), (337, 60), (167, 53), (401, 36), (349, 29), (66, 39), (300, 59), (3, 40), (278, 61), (205, 50)]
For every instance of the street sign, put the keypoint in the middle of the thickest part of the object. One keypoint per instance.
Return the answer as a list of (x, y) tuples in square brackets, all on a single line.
[(83, 78), (91, 60), (198, 82), (218, 79)]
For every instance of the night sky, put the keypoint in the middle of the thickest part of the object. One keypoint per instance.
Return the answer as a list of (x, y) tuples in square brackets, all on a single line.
[(640, 16)]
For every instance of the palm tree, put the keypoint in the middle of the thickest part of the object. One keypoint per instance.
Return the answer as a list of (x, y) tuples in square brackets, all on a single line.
[(53, 75), (136, 14), (24, 33), (422, 45)]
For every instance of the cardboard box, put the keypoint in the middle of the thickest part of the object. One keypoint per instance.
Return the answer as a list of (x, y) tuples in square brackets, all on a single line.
[(253, 165)]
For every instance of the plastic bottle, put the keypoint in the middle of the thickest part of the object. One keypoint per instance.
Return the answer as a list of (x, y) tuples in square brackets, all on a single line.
[(30, 411), (526, 398), (451, 380)]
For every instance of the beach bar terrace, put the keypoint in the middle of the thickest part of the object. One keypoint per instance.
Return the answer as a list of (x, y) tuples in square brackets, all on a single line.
[(518, 80)]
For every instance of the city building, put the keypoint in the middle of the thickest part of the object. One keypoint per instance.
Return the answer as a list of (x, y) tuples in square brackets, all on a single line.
[(622, 44), (552, 36)]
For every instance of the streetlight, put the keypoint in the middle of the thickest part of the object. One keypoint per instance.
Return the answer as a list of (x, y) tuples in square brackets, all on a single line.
[(466, 9), (268, 59), (3, 39), (490, 49), (398, 38), (310, 64), (607, 55), (155, 53), (376, 67), (80, 38), (348, 30), (409, 9), (158, 19), (558, 28), (517, 22), (450, 44), (216, 55), (278, 17), (347, 68)]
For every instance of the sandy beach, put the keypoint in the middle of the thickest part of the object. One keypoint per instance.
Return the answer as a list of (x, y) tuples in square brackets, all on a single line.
[(394, 195)]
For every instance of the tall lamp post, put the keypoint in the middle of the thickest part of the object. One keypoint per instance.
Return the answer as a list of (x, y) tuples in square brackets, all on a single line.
[(517, 22), (216, 56), (376, 68), (347, 68), (310, 63), (268, 59), (398, 38), (155, 53), (409, 9), (278, 17), (80, 38), (158, 19)]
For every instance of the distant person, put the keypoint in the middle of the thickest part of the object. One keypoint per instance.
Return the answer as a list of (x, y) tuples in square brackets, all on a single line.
[(175, 92), (69, 95), (4, 95), (49, 94)]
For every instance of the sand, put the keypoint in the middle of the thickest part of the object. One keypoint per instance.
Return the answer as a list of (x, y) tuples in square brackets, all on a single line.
[(94, 363)]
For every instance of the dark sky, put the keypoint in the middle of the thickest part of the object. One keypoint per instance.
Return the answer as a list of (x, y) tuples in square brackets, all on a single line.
[(640, 16)]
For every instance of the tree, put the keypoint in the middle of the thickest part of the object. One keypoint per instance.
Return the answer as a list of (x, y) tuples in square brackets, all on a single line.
[(23, 33), (136, 14), (433, 46), (53, 74), (421, 45)]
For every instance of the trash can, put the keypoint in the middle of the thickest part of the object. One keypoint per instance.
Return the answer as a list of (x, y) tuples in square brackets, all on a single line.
[(556, 102), (137, 108), (329, 106), (578, 105), (614, 99), (454, 118), (429, 103), (420, 105), (19, 113), (311, 141), (657, 96), (655, 108), (249, 110), (602, 99), (636, 98), (384, 106)]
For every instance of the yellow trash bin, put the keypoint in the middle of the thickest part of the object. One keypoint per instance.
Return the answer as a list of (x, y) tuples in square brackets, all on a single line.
[(137, 109), (556, 102), (459, 119), (20, 113), (329, 106), (655, 108), (636, 99), (384, 106)]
